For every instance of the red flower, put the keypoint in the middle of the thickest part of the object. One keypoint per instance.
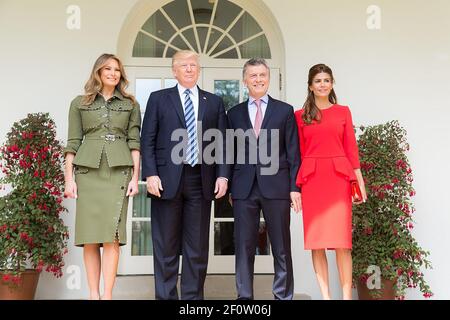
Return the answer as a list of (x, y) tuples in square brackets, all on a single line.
[(398, 254), (6, 277), (48, 185), (36, 174), (381, 195), (427, 295)]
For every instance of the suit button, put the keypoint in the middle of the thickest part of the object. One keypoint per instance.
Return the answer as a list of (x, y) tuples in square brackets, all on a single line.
[(122, 187)]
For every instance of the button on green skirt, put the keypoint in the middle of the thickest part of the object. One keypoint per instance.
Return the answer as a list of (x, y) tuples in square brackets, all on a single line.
[(101, 206)]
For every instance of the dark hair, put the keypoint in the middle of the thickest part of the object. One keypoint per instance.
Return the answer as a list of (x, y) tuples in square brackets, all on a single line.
[(311, 111), (255, 62)]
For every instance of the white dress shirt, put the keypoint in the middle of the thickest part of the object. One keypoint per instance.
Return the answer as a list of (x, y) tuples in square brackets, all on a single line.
[(194, 98)]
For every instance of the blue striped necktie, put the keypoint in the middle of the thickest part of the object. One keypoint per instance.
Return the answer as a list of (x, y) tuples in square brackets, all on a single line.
[(189, 117)]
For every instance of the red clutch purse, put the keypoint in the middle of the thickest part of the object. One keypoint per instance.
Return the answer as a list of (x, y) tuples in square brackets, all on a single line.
[(356, 191)]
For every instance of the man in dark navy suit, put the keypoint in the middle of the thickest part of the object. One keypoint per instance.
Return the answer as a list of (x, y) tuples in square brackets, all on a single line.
[(263, 178), (182, 186)]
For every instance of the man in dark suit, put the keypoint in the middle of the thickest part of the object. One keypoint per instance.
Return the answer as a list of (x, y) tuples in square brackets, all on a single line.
[(182, 186), (263, 178)]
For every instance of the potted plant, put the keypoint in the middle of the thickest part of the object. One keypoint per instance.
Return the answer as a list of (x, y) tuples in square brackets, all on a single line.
[(32, 234), (383, 245)]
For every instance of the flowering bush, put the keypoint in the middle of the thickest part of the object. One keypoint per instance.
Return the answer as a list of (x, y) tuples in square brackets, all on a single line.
[(382, 226), (31, 230)]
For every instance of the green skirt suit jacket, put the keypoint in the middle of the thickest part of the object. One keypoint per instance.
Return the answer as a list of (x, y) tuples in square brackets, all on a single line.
[(101, 136)]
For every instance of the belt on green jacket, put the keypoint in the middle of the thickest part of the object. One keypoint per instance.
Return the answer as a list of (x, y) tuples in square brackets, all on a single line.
[(106, 137)]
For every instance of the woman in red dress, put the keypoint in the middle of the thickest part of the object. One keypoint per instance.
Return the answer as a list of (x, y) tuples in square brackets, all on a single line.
[(329, 163)]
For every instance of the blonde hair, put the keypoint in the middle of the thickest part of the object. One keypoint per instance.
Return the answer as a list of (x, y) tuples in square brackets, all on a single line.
[(94, 85), (184, 54)]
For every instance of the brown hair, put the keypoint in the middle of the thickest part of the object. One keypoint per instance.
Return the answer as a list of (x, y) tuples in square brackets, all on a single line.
[(310, 110), (94, 85)]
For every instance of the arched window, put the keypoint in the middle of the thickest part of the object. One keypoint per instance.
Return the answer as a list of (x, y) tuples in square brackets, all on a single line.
[(216, 28)]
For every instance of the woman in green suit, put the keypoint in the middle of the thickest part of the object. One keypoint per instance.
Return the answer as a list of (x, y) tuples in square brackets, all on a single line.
[(102, 168)]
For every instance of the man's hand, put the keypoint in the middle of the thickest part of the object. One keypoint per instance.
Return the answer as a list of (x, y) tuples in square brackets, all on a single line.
[(154, 186), (296, 201), (221, 187)]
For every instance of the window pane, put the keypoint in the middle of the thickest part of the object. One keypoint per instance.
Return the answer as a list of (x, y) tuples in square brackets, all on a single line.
[(170, 52), (179, 43), (262, 246), (258, 47), (226, 13), (213, 37), (190, 37), (229, 91), (141, 203), (178, 11), (222, 208), (145, 46), (231, 54), (158, 26), (224, 44), (141, 239), (202, 32), (223, 238), (143, 89), (244, 28), (169, 83), (202, 10)]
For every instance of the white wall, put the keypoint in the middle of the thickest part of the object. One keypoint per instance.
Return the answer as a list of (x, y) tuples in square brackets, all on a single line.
[(398, 72)]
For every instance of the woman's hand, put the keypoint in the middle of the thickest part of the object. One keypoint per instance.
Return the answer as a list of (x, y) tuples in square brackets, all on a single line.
[(362, 186), (70, 189), (133, 188), (363, 194)]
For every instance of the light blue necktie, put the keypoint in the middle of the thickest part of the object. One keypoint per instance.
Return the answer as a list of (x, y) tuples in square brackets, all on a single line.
[(189, 117)]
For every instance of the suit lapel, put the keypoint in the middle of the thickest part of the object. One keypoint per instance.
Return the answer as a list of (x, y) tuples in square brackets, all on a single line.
[(202, 104), (176, 102), (268, 113), (246, 117)]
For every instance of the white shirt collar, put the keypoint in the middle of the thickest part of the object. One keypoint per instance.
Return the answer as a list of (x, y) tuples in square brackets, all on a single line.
[(181, 90)]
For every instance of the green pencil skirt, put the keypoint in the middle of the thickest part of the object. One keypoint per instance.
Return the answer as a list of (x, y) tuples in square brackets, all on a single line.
[(102, 204)]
